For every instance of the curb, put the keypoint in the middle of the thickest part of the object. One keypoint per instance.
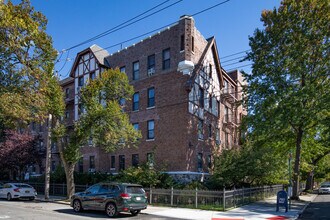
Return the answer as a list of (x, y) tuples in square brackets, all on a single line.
[(53, 201), (306, 205)]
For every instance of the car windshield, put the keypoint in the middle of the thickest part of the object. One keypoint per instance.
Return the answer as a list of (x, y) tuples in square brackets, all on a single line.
[(135, 190), (23, 186), (325, 186)]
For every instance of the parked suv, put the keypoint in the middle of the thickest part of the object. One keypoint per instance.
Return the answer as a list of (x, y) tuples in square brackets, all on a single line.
[(112, 198)]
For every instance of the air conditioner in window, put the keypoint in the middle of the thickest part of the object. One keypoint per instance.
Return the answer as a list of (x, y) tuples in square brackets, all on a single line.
[(151, 71), (91, 170)]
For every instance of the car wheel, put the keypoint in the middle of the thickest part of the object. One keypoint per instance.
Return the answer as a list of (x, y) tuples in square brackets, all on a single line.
[(77, 206), (111, 210), (9, 197), (135, 212)]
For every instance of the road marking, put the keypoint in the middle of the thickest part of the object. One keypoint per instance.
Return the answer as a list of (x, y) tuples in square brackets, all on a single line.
[(227, 218), (4, 216)]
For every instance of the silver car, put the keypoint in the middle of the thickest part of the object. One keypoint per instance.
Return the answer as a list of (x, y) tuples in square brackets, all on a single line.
[(324, 188), (11, 191)]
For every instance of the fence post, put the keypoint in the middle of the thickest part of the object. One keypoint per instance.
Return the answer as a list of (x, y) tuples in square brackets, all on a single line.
[(234, 196), (172, 196), (150, 196), (224, 198), (243, 194), (196, 198)]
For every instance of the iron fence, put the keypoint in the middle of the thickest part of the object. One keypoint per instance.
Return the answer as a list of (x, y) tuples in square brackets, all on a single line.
[(204, 199)]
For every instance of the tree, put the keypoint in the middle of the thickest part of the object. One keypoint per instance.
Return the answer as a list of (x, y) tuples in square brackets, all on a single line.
[(28, 89), (26, 64), (102, 120), (316, 149), (253, 164), (288, 89), (18, 152)]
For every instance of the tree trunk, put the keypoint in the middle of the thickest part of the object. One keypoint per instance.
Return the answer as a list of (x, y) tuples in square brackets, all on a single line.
[(295, 191), (309, 181), (69, 171), (48, 157)]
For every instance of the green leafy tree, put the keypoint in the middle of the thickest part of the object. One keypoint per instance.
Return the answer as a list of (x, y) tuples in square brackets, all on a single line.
[(315, 149), (26, 65), (102, 121), (288, 92), (253, 164)]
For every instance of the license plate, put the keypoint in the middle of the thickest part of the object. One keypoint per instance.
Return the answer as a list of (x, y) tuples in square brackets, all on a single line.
[(27, 191), (138, 198)]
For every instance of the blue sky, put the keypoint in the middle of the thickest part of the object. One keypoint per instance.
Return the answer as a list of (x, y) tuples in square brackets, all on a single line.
[(71, 22)]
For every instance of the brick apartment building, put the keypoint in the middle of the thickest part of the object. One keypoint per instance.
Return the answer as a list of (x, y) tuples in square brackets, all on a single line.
[(185, 103)]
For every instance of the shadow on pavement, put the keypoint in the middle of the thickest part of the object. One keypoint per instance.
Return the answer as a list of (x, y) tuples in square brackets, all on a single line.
[(91, 213), (319, 209)]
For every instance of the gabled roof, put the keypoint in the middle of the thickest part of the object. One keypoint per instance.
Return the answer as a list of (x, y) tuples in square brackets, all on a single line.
[(213, 46), (99, 53)]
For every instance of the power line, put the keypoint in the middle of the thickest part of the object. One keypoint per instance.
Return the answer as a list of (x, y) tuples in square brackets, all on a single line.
[(232, 59), (157, 29), (165, 26), (239, 67), (126, 23), (230, 55)]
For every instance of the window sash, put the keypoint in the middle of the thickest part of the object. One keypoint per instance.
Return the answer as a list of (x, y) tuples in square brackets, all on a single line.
[(151, 129), (151, 97), (166, 59), (151, 61), (136, 99), (136, 70)]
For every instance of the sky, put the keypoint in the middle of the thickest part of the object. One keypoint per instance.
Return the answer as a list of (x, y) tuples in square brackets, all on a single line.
[(71, 22)]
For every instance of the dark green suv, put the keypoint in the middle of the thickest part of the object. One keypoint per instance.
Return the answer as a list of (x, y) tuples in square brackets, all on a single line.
[(112, 198)]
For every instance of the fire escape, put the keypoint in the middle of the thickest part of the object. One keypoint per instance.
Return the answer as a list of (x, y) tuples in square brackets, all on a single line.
[(230, 99)]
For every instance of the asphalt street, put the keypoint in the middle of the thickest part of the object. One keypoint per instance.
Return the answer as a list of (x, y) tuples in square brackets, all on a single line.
[(42, 210), (319, 209)]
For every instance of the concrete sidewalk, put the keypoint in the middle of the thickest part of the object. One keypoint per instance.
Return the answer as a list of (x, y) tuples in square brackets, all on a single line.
[(265, 209)]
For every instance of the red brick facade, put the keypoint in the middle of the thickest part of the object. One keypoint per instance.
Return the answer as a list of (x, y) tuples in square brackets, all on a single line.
[(177, 144)]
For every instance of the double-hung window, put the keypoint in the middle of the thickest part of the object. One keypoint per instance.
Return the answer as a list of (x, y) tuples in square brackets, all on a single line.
[(113, 162), (166, 59), (121, 162), (151, 97), (151, 129), (135, 160), (136, 70), (136, 98), (151, 65)]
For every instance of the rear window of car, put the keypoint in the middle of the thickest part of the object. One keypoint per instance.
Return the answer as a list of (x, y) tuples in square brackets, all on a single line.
[(23, 186), (135, 190)]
